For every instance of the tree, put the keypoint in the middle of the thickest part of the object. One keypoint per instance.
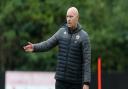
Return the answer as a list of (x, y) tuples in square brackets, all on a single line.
[(28, 20)]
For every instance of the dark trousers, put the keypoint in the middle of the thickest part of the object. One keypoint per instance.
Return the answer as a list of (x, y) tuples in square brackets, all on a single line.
[(66, 85)]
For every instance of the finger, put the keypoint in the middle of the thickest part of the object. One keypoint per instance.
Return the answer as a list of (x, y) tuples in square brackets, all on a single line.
[(24, 47), (28, 50), (27, 47), (30, 43)]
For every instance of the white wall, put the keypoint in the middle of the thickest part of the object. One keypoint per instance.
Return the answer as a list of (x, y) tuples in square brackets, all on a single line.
[(29, 80)]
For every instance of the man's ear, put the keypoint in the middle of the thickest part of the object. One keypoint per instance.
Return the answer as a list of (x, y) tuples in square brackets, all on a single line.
[(78, 17)]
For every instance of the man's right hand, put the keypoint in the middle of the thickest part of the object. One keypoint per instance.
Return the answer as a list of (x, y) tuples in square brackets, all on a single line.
[(29, 47)]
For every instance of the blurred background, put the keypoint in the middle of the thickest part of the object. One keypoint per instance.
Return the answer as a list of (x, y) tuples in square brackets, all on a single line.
[(106, 22)]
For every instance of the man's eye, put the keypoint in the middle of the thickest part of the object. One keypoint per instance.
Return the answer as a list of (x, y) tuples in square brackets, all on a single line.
[(69, 16)]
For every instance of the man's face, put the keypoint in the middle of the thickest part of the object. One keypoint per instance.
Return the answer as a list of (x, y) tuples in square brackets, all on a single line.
[(72, 18)]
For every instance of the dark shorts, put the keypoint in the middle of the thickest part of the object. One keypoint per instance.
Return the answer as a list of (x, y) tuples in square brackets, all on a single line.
[(65, 85)]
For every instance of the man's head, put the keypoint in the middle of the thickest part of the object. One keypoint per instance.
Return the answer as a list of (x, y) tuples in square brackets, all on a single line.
[(72, 17)]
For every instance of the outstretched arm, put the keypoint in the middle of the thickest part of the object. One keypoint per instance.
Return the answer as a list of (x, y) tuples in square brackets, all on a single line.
[(46, 45), (43, 46)]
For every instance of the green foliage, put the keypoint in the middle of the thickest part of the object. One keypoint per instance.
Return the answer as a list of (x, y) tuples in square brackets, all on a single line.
[(36, 20)]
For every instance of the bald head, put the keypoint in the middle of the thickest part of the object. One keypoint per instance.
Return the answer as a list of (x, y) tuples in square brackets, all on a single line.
[(73, 11), (72, 17)]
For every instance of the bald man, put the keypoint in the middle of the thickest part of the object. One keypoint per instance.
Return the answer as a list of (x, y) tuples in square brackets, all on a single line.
[(74, 58)]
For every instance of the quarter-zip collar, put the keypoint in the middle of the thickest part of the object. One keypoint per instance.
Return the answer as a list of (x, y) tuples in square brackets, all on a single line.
[(79, 27)]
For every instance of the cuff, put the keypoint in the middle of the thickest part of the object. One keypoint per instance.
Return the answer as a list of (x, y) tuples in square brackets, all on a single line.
[(87, 83)]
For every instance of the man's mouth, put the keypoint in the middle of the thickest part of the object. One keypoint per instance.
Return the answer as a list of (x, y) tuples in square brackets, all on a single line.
[(69, 23)]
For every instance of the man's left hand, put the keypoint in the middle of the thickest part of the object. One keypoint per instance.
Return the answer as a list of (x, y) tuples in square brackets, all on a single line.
[(85, 86)]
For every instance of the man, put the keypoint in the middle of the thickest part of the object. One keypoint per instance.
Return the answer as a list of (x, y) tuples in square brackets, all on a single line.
[(74, 59)]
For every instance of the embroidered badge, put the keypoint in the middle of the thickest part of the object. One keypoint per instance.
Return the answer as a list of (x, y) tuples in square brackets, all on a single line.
[(77, 37), (65, 32)]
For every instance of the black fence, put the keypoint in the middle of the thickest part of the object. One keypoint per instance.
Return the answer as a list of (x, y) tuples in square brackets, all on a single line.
[(109, 81), (2, 80)]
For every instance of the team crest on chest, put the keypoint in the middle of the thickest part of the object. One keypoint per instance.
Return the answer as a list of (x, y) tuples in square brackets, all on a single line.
[(65, 33), (77, 37)]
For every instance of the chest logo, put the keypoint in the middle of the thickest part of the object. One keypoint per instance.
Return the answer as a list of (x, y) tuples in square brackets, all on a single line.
[(65, 33), (77, 37)]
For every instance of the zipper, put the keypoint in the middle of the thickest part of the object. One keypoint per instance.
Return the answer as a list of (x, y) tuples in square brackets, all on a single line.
[(68, 54)]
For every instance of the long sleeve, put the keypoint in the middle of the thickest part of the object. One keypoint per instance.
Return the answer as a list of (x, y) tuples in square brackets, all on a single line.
[(46, 45), (86, 59)]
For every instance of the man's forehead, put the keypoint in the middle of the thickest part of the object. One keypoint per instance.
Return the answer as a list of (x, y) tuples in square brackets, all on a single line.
[(72, 11)]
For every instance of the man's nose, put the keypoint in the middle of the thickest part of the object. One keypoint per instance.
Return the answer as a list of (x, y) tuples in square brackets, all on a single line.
[(68, 19)]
